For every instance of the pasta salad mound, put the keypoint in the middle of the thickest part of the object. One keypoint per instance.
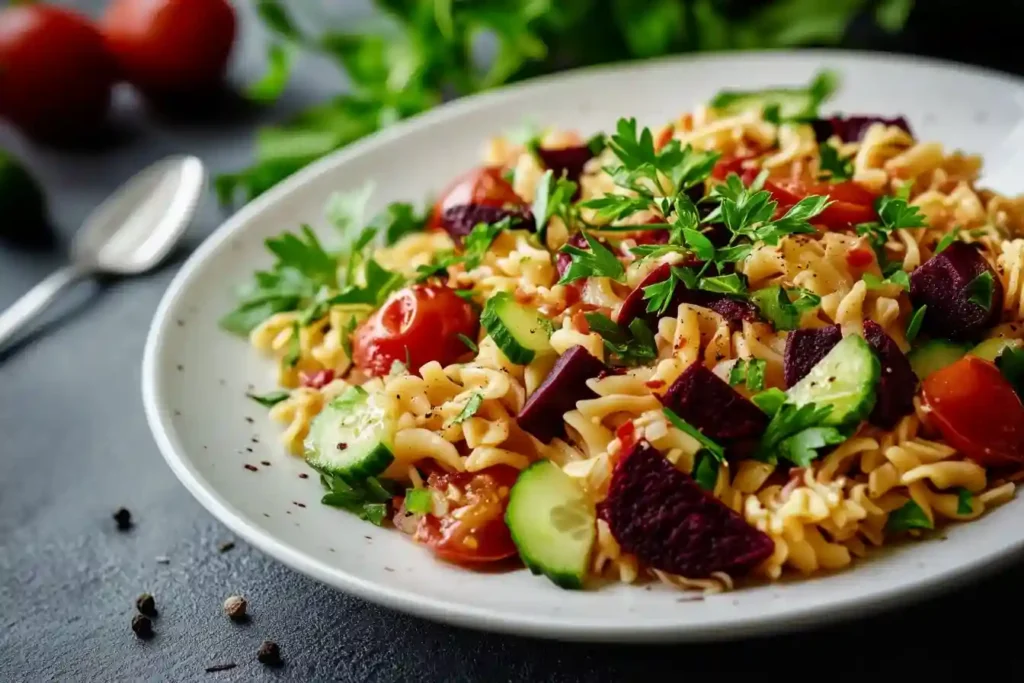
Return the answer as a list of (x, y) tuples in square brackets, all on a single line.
[(749, 342)]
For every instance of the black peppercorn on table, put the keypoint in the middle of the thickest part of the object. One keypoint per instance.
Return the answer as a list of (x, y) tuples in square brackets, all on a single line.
[(75, 448)]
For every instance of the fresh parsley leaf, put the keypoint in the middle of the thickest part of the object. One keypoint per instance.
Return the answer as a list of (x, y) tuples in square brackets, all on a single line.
[(478, 241), (634, 345), (596, 143), (271, 399), (291, 357), (910, 516), (769, 400), (710, 446), (699, 244), (1011, 363), (915, 322), (705, 470), (597, 262), (900, 278), (732, 283), (787, 422), (947, 239), (834, 168), (553, 197), (793, 222), (419, 501), (896, 214), (964, 498), (979, 290), (470, 344), (368, 499), (397, 220), (281, 59), (749, 372), (802, 448), (469, 410)]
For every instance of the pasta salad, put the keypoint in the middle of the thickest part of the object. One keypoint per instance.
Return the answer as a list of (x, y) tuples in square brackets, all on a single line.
[(752, 341)]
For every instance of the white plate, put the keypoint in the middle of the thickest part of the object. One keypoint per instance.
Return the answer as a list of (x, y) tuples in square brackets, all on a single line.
[(194, 375)]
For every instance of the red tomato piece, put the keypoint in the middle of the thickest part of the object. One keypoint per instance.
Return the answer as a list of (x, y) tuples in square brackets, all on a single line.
[(627, 435), (977, 411), (474, 529), (56, 76), (417, 324), (484, 186), (733, 164), (851, 203), (171, 47), (859, 257)]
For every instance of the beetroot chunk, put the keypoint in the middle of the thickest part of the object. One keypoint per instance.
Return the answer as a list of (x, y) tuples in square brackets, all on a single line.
[(458, 221), (944, 284), (853, 128), (568, 161), (804, 348), (558, 393), (663, 517), (708, 403), (897, 383), (635, 306)]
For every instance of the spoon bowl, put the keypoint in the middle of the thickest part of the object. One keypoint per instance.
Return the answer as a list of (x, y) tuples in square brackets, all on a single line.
[(137, 226)]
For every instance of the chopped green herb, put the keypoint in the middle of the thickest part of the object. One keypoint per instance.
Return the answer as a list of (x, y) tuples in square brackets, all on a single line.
[(713, 449), (749, 372), (769, 400), (705, 470), (964, 500), (947, 239), (553, 197), (732, 283), (979, 290), (910, 516), (634, 345), (597, 262), (469, 410), (419, 501), (368, 498), (470, 344), (271, 399), (291, 358), (788, 422), (916, 320), (802, 448), (1011, 363), (900, 278), (833, 167)]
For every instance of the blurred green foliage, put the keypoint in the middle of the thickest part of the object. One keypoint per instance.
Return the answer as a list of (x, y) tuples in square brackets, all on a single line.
[(427, 51)]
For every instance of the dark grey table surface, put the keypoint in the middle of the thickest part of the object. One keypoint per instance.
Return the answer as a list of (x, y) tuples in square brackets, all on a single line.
[(74, 446)]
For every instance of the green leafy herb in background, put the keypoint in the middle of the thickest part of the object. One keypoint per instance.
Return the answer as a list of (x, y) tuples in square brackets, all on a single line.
[(419, 53)]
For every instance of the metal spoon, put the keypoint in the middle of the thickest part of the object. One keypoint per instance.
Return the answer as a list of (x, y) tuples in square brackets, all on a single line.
[(129, 233)]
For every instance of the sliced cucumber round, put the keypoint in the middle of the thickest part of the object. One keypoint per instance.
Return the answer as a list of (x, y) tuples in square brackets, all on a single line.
[(351, 437), (553, 524), (846, 379), (519, 331), (934, 355)]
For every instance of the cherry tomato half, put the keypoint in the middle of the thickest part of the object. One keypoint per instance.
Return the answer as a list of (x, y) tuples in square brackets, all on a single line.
[(56, 76), (171, 46), (484, 186), (977, 411), (852, 203), (732, 164), (474, 528), (420, 324)]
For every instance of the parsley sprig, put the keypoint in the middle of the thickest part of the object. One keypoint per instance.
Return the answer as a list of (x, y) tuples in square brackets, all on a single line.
[(630, 346), (894, 213)]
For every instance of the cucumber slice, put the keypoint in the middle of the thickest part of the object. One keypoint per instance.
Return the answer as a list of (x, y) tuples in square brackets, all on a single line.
[(351, 437), (519, 331), (990, 349), (845, 379), (934, 355), (553, 524)]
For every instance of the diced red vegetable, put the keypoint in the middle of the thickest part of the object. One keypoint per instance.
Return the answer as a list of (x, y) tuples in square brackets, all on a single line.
[(944, 284), (459, 221), (853, 128), (662, 516), (317, 380), (567, 161), (635, 306), (897, 383), (703, 399), (804, 348), (558, 393)]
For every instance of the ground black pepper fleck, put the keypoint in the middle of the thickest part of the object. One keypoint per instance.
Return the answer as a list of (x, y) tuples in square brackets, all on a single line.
[(146, 605), (265, 463), (250, 420), (303, 475), (220, 667), (142, 626), (225, 546), (249, 449), (301, 505), (123, 518), (251, 468), (269, 654)]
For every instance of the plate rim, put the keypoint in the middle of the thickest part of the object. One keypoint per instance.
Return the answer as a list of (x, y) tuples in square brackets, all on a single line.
[(485, 618)]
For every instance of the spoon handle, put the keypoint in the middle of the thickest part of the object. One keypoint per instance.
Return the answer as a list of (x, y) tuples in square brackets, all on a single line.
[(34, 301)]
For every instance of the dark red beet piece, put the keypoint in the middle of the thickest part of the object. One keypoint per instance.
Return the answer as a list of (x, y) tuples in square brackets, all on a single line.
[(663, 517), (568, 161), (804, 348), (941, 283), (703, 399), (558, 393), (458, 221), (635, 306), (853, 128), (897, 382)]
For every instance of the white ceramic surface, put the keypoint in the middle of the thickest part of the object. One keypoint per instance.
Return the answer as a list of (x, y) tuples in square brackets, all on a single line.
[(195, 376)]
